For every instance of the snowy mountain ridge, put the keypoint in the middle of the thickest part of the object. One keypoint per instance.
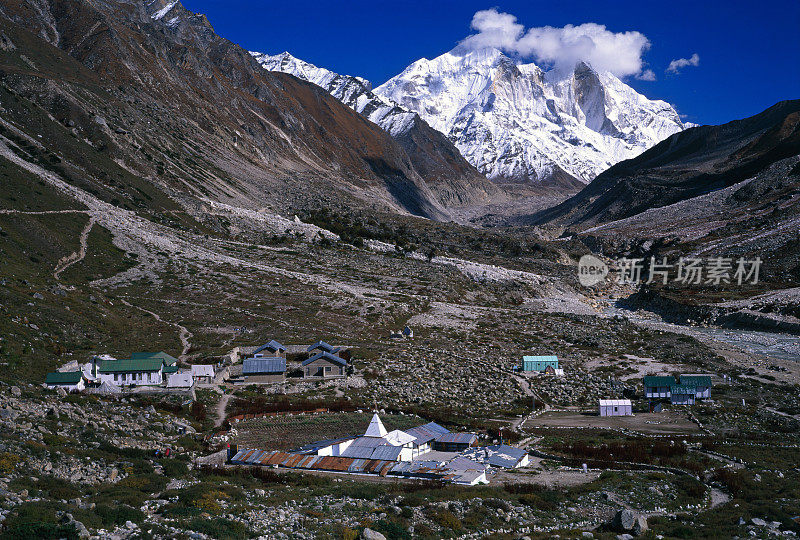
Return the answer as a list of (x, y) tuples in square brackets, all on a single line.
[(355, 92), (514, 121)]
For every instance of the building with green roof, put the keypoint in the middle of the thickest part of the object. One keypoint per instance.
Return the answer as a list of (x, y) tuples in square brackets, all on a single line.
[(702, 384), (681, 394), (539, 363), (658, 386), (166, 358), (68, 380), (139, 370)]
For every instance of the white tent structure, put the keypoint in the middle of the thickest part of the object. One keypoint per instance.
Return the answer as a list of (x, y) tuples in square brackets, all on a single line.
[(615, 407)]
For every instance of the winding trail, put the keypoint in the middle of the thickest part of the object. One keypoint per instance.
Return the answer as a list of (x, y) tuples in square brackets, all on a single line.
[(78, 256), (41, 212), (221, 408), (183, 332)]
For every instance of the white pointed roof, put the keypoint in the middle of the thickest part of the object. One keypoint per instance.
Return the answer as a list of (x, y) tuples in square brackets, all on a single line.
[(375, 428), (399, 438)]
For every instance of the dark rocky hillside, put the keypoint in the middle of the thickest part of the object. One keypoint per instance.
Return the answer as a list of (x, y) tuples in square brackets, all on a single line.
[(171, 101), (686, 165)]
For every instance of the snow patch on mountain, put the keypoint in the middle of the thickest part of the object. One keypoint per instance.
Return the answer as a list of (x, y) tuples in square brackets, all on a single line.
[(158, 15)]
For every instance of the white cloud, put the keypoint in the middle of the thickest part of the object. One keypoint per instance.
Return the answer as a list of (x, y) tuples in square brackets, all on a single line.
[(617, 52), (679, 63), (647, 75)]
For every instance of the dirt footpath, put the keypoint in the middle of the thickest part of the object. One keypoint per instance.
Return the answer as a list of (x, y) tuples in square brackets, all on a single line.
[(672, 421)]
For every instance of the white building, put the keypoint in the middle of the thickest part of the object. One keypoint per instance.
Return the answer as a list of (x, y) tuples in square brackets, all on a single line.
[(71, 381), (203, 373), (615, 407), (375, 443), (132, 371), (180, 380)]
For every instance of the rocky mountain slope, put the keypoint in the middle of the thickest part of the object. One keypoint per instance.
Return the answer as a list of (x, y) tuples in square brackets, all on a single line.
[(731, 190), (453, 179), (515, 122), (143, 81), (690, 164)]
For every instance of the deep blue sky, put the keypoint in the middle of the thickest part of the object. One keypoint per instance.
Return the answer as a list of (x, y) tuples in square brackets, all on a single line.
[(749, 51)]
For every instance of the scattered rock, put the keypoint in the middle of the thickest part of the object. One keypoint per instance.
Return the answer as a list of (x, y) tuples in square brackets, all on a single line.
[(369, 534), (628, 521)]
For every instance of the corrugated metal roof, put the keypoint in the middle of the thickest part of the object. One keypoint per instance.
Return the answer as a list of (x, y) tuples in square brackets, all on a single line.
[(253, 366), (180, 380), (426, 432), (615, 403), (63, 377), (131, 365), (164, 357), (658, 380), (238, 456), (321, 345), (358, 452), (462, 463), (336, 463), (544, 358), (399, 438), (465, 477), (314, 446), (202, 370), (390, 453), (499, 455), (273, 346), (327, 356), (696, 380), (459, 438), (368, 442)]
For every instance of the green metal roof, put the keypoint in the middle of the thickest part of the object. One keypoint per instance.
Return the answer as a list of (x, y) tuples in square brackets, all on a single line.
[(659, 380), (170, 369), (166, 358), (549, 358), (696, 380), (63, 377), (131, 365)]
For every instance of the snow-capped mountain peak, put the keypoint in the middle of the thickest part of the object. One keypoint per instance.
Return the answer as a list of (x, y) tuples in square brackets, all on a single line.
[(455, 182), (515, 121), (355, 92)]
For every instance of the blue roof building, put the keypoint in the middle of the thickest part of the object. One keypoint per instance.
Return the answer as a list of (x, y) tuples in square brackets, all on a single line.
[(539, 363)]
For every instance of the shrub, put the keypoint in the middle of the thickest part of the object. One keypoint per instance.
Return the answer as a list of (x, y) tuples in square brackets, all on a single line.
[(446, 519), (392, 530), (8, 462), (198, 411), (118, 514), (173, 468), (220, 528)]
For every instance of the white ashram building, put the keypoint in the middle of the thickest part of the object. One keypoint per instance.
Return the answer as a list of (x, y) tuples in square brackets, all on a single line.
[(377, 443)]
